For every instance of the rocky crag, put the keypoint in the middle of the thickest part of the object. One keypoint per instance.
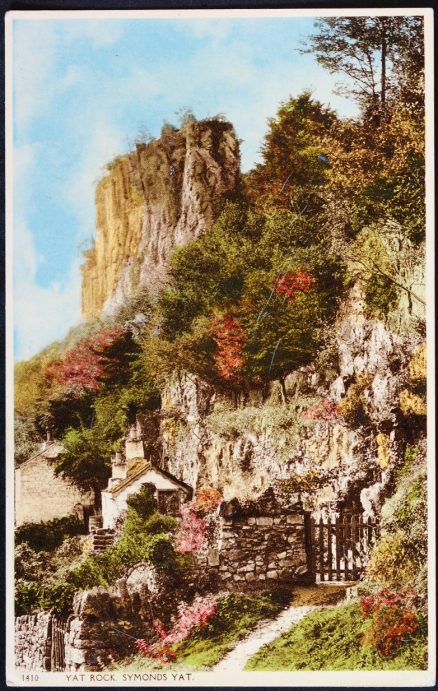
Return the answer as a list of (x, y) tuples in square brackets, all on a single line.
[(246, 444), (163, 194)]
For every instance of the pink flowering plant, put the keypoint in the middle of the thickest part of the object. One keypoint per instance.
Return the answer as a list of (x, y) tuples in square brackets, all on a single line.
[(323, 409), (190, 619), (195, 523)]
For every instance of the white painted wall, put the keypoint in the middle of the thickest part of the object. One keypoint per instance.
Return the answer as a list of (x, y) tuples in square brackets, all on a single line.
[(114, 504)]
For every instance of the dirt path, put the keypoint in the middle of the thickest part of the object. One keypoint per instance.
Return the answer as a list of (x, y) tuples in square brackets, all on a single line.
[(305, 600)]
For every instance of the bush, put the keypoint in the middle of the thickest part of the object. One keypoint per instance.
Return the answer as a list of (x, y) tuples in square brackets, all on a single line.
[(411, 403), (392, 563), (48, 535), (27, 597), (146, 537), (400, 557), (352, 406), (143, 502), (58, 597)]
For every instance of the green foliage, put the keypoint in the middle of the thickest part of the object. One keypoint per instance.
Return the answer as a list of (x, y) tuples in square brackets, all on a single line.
[(294, 166), (330, 640), (409, 461), (86, 459), (143, 502), (58, 597), (27, 597), (382, 56), (32, 597), (236, 616), (400, 556), (352, 406), (380, 295), (48, 535), (234, 269), (146, 537), (26, 438)]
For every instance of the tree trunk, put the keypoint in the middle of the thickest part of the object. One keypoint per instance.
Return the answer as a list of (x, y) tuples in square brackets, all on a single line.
[(283, 390), (383, 73)]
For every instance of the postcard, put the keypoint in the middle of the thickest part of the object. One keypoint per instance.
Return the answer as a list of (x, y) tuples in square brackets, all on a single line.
[(220, 358)]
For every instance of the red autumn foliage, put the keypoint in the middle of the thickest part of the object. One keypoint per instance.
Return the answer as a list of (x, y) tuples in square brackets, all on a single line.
[(386, 598), (288, 284), (392, 619), (83, 366), (230, 338), (207, 499)]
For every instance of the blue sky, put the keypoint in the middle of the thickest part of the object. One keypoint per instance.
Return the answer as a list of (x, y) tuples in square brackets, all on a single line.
[(85, 88)]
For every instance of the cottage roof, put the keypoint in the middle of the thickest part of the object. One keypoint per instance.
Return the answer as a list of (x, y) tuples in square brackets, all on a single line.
[(138, 467)]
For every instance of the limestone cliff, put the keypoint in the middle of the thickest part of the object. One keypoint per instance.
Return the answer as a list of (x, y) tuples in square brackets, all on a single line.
[(243, 447), (163, 194)]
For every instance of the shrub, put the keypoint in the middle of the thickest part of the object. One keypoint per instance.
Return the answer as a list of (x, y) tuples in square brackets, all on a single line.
[(411, 403), (418, 365), (330, 639), (382, 450), (48, 535), (58, 597), (190, 618), (207, 499), (27, 597), (400, 556), (352, 406), (323, 409), (143, 502), (391, 620), (392, 563)]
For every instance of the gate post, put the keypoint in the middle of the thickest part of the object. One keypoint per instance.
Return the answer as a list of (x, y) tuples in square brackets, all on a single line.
[(309, 538)]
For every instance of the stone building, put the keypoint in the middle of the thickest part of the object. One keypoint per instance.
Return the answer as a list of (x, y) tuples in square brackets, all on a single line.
[(40, 495)]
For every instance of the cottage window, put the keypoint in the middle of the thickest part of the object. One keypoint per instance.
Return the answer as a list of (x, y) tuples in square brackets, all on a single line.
[(169, 502)]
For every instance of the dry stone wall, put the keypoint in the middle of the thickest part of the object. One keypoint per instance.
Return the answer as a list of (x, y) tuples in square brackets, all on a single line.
[(33, 642), (262, 551)]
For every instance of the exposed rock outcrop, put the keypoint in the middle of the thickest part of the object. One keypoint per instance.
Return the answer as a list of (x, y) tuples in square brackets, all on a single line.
[(242, 447), (165, 193)]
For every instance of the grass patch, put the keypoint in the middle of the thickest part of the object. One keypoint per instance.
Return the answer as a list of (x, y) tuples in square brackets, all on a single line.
[(330, 639), (236, 616)]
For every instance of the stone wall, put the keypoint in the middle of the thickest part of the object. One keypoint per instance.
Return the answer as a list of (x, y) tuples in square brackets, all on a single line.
[(33, 642), (260, 551)]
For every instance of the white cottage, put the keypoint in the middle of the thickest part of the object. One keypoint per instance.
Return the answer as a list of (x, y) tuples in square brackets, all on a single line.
[(130, 472)]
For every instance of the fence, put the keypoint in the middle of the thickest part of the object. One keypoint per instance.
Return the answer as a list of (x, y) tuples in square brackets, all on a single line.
[(338, 549), (57, 657)]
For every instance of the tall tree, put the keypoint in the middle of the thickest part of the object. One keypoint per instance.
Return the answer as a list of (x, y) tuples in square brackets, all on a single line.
[(368, 50)]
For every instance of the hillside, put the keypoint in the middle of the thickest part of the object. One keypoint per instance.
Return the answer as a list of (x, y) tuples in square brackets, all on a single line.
[(257, 341)]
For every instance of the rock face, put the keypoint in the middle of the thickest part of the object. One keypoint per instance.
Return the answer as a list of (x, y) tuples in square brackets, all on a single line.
[(165, 193), (244, 446)]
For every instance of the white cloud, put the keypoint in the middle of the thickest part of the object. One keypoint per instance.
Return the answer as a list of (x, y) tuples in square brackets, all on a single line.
[(101, 143), (41, 314), (34, 62), (99, 33)]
